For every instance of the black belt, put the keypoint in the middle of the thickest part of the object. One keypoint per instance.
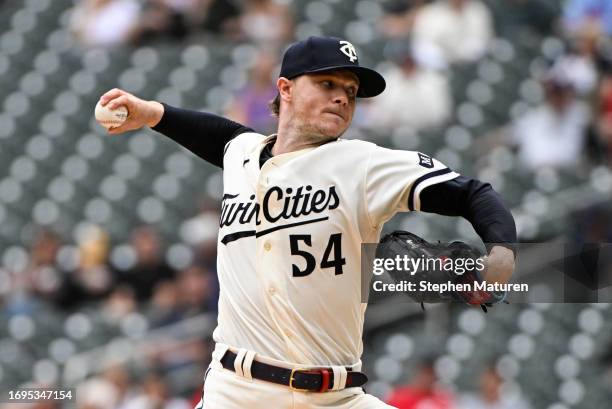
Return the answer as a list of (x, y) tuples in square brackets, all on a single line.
[(311, 379)]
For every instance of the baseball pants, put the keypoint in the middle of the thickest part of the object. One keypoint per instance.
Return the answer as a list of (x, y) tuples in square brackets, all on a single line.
[(225, 389)]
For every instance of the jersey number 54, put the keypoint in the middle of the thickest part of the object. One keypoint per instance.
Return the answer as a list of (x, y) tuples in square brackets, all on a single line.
[(332, 256)]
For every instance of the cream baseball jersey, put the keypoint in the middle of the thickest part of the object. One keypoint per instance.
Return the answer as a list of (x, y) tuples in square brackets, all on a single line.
[(290, 239)]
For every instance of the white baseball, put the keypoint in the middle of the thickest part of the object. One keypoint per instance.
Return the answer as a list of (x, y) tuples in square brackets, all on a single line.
[(110, 118)]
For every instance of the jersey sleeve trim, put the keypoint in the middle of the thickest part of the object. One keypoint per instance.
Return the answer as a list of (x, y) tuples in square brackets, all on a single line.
[(226, 146), (432, 178)]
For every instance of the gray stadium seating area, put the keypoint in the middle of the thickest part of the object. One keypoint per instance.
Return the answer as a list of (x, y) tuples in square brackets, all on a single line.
[(549, 353)]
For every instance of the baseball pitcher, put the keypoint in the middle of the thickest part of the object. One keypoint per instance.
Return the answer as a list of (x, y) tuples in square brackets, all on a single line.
[(296, 207)]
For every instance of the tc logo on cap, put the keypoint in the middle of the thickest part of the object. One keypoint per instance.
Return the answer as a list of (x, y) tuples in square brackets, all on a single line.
[(348, 50)]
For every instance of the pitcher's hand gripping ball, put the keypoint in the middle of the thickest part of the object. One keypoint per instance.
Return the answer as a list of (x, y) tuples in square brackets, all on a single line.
[(110, 118)]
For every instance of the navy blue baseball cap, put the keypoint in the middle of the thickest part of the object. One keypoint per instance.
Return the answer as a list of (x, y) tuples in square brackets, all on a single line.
[(319, 54)]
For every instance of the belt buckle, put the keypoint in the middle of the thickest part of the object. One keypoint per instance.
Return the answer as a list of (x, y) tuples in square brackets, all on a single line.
[(291, 379), (325, 376)]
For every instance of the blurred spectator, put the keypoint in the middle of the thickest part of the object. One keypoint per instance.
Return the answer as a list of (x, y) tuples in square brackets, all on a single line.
[(456, 30), (491, 394), (104, 23), (96, 393), (601, 141), (514, 16), (92, 280), (580, 13), (150, 267), (250, 105), (155, 395), (592, 224), (118, 376), (44, 277), (120, 303), (579, 67), (422, 392), (417, 97), (554, 133), (163, 19), (399, 17), (266, 22), (175, 357), (163, 309), (201, 232), (197, 289), (41, 279), (220, 16)]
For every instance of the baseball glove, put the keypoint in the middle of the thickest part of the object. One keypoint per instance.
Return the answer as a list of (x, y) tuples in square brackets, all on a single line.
[(440, 264)]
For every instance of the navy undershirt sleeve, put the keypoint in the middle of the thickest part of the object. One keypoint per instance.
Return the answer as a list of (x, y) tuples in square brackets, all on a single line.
[(478, 203), (202, 133)]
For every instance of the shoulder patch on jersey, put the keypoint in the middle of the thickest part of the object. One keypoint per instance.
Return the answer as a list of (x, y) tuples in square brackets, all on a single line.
[(425, 161)]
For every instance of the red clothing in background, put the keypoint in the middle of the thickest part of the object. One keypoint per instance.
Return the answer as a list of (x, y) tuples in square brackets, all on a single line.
[(410, 398)]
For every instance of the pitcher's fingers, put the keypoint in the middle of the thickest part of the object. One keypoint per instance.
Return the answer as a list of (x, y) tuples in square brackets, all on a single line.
[(116, 130), (110, 95), (122, 100)]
